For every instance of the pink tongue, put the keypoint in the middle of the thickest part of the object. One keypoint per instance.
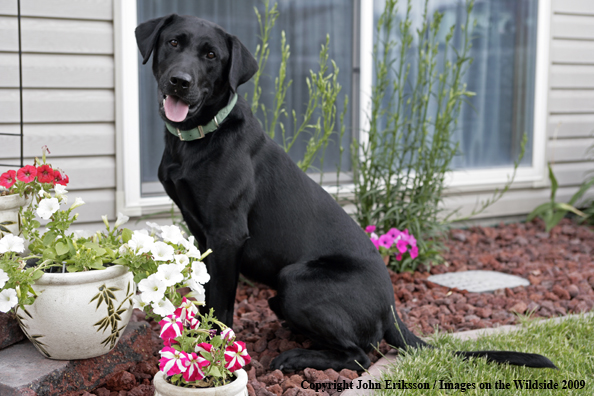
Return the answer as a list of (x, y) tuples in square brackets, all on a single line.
[(175, 109)]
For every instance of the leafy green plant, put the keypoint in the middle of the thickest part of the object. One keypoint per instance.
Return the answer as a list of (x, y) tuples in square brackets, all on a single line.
[(552, 212), (320, 116), (401, 167)]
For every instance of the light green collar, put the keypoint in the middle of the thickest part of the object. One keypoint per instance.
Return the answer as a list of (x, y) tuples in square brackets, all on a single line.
[(200, 131)]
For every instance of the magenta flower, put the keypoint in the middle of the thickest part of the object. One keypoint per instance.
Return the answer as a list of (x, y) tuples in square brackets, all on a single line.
[(394, 233), (203, 347), (398, 256), (227, 334), (236, 356), (193, 367), (386, 241), (401, 245), (414, 252), (171, 327), (375, 242), (370, 228), (172, 361), (186, 310)]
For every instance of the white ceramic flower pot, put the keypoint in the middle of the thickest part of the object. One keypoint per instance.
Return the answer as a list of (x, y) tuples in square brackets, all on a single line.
[(9, 212), (235, 388), (79, 315)]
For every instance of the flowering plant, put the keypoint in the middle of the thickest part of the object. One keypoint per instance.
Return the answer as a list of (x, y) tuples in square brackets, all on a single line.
[(28, 181), (400, 244), (163, 261), (194, 354)]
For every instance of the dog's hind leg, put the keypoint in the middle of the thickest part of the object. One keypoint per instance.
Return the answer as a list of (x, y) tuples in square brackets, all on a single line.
[(330, 302)]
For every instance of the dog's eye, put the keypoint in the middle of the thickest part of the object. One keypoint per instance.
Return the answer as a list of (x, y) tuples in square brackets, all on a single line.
[(211, 55), (173, 43)]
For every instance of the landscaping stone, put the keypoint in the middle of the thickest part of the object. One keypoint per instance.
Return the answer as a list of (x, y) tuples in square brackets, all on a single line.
[(478, 281), (10, 331), (24, 371)]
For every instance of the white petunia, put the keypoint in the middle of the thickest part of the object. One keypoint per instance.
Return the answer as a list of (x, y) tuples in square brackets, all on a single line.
[(8, 299), (163, 307), (3, 278), (199, 272), (121, 220), (12, 243), (192, 249), (198, 290), (77, 234), (141, 242), (123, 249), (170, 274), (152, 288), (77, 202), (138, 302), (181, 259), (154, 227), (162, 251), (172, 234), (61, 192), (47, 207)]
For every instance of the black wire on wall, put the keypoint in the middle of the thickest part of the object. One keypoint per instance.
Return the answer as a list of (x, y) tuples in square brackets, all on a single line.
[(21, 134)]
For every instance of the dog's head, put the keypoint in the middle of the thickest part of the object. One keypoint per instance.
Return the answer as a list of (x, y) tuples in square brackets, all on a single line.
[(196, 63)]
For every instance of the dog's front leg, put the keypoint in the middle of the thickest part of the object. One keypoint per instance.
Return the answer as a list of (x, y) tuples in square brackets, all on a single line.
[(223, 266)]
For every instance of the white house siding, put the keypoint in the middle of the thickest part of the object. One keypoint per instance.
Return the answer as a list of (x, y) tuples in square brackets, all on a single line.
[(570, 116), (69, 98)]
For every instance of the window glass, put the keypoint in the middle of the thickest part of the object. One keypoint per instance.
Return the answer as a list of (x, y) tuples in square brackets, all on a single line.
[(305, 22), (491, 125)]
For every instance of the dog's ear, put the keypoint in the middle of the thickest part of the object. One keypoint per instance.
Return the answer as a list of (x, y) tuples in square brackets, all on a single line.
[(147, 34), (242, 66)]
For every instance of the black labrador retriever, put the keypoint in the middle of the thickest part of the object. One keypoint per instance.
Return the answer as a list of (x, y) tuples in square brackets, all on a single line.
[(244, 198)]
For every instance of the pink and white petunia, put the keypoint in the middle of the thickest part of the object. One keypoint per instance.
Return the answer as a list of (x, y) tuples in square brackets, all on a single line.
[(236, 356), (171, 362), (194, 364), (186, 310), (171, 327), (203, 347), (227, 334)]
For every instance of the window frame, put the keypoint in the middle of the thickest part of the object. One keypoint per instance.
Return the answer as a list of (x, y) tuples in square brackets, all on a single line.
[(128, 188)]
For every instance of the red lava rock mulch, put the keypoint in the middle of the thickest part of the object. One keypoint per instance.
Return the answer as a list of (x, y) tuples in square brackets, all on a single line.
[(560, 267)]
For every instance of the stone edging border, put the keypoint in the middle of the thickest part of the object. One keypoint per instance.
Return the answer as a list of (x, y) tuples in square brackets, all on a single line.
[(389, 358)]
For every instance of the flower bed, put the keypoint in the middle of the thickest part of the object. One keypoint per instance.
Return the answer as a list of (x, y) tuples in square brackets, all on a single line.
[(560, 268)]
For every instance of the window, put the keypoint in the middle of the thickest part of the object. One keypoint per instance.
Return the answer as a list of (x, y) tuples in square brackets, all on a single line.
[(509, 74), (305, 23)]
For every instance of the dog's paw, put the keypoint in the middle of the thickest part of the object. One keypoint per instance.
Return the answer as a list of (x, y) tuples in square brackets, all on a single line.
[(291, 360)]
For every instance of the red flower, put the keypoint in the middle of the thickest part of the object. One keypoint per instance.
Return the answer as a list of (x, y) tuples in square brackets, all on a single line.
[(45, 174), (27, 173), (59, 178), (7, 179)]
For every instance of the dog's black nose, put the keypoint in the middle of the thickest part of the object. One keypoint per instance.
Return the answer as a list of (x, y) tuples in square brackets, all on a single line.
[(180, 80)]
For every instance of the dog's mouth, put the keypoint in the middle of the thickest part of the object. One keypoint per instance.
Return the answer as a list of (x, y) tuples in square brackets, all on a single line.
[(176, 109)]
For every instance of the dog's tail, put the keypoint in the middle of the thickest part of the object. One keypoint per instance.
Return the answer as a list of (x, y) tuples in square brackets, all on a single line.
[(400, 336)]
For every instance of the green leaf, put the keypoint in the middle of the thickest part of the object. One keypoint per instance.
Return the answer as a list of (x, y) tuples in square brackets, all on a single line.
[(583, 188), (71, 268), (554, 184), (49, 238), (126, 235), (36, 274), (61, 248), (538, 211), (568, 208)]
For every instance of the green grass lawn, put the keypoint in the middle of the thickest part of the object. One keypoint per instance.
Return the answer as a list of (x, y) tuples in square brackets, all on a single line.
[(569, 344)]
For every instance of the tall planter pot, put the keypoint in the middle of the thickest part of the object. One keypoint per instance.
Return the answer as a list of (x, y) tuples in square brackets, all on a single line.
[(235, 388), (79, 315), (9, 213)]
